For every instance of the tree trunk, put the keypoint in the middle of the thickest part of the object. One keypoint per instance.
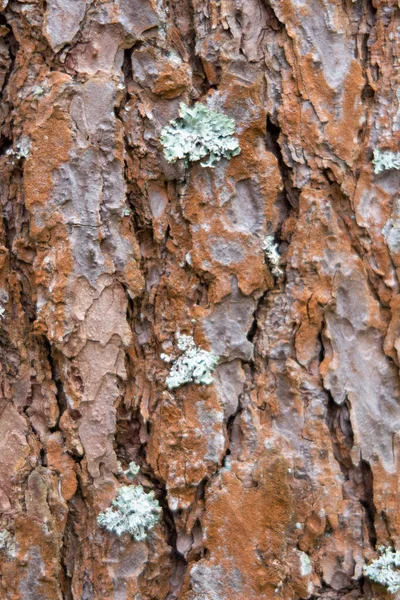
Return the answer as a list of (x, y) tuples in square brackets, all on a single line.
[(279, 479)]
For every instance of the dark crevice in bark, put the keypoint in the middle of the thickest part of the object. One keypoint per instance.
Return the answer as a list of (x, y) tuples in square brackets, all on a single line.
[(70, 546), (287, 200), (359, 477), (12, 211), (368, 93), (254, 326), (291, 194), (252, 337), (127, 74), (366, 17), (127, 440), (178, 563), (339, 425), (275, 23), (367, 499), (184, 12), (60, 395), (16, 228), (231, 430), (12, 44), (363, 56)]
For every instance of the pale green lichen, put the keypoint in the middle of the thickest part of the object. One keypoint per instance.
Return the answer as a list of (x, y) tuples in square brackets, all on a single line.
[(305, 565), (23, 147), (131, 472), (199, 133), (272, 255), (7, 543), (194, 365), (38, 91), (133, 511), (385, 569), (386, 160)]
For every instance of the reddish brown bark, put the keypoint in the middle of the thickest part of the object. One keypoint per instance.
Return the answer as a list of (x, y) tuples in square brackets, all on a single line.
[(280, 479)]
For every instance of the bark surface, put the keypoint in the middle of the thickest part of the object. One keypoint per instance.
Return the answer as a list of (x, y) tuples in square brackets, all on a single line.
[(281, 478)]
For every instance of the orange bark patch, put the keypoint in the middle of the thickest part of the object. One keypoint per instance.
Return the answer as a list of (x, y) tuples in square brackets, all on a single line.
[(51, 143)]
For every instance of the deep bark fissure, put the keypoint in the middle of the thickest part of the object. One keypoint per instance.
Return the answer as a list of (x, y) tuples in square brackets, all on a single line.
[(360, 476), (12, 45), (290, 193)]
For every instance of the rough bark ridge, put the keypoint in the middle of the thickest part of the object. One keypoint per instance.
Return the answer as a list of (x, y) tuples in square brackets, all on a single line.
[(278, 480)]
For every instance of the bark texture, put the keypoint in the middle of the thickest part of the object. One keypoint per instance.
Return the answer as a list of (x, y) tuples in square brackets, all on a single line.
[(281, 478)]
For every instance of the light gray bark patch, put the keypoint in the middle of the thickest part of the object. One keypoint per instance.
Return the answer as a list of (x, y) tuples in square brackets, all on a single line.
[(28, 587), (137, 16), (90, 188), (319, 30), (227, 327), (246, 210), (80, 201), (211, 582), (360, 371), (229, 380), (211, 428), (158, 199), (62, 20), (226, 251)]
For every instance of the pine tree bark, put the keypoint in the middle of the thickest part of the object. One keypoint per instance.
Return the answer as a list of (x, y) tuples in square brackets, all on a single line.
[(280, 479)]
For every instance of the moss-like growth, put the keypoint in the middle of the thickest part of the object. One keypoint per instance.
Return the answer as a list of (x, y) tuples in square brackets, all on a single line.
[(194, 365), (199, 133), (272, 255), (132, 511), (385, 569), (386, 160)]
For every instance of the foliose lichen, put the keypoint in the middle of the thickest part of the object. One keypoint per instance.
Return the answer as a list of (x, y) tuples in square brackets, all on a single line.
[(131, 472), (7, 543), (385, 569), (199, 133), (272, 255), (133, 511), (193, 365), (386, 160), (305, 565), (22, 150), (38, 91)]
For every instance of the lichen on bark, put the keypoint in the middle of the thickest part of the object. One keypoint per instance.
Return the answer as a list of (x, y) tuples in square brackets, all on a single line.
[(277, 479)]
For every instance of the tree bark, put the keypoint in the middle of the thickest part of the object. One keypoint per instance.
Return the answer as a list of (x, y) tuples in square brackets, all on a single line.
[(280, 479)]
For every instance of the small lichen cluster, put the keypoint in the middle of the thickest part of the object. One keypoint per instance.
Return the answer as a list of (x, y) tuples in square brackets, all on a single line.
[(198, 133), (38, 91), (23, 147), (133, 511), (7, 542), (193, 365), (272, 254), (385, 569), (386, 160), (131, 472)]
